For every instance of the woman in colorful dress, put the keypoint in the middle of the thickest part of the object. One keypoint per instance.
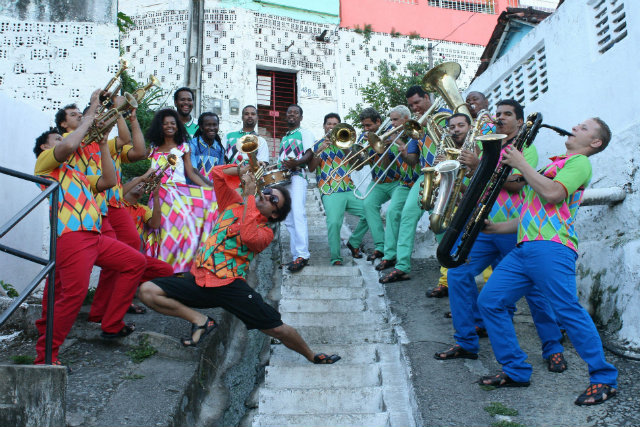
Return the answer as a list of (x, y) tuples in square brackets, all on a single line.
[(188, 210)]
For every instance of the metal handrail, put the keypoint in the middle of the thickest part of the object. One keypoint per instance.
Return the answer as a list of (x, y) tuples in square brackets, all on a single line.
[(49, 265)]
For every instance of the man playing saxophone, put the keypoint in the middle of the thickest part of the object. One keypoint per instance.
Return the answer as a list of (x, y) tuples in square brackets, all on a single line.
[(544, 261), (337, 194), (489, 249)]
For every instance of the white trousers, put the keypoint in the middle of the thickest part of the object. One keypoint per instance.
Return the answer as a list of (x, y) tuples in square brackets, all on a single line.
[(296, 221)]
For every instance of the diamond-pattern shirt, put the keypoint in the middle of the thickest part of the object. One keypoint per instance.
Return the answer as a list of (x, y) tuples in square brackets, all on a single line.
[(205, 157), (330, 160), (114, 195), (294, 144), (541, 220), (233, 242), (86, 160), (77, 208), (507, 205)]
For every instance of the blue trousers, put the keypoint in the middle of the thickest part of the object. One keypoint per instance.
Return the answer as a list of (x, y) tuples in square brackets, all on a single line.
[(489, 249), (548, 267)]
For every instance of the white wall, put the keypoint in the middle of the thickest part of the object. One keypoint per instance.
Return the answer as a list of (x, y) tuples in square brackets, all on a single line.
[(43, 66), (582, 82)]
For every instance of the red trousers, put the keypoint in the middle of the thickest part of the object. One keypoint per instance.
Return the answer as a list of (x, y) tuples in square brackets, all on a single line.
[(119, 225), (76, 253)]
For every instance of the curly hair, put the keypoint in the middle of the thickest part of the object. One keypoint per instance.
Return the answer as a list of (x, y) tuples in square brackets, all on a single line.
[(155, 136)]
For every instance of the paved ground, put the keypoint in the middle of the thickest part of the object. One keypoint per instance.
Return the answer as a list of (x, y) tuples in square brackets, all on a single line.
[(446, 392)]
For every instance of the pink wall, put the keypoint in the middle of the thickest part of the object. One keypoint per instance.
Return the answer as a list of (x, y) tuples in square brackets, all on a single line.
[(429, 22)]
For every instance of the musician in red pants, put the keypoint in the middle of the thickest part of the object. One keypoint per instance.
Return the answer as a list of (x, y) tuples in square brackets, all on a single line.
[(80, 244)]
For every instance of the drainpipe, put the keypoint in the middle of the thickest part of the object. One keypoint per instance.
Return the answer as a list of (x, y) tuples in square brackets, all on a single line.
[(193, 63), (603, 196)]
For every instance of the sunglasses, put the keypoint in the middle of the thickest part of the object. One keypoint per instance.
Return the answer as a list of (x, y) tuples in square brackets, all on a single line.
[(272, 198)]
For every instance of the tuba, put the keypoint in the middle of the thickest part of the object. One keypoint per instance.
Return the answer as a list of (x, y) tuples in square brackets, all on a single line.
[(153, 180), (482, 193)]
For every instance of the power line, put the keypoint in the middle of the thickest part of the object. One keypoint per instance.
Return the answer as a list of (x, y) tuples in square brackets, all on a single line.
[(455, 29)]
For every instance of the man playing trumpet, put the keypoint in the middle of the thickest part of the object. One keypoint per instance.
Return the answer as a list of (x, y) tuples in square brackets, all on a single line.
[(337, 192)]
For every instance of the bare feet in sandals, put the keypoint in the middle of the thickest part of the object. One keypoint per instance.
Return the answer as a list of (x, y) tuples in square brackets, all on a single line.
[(455, 352), (596, 394), (325, 359), (501, 380), (198, 332)]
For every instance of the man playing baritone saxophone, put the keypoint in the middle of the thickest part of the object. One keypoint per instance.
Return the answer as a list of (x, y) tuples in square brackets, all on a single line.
[(218, 275), (489, 249), (337, 196), (544, 261), (80, 244)]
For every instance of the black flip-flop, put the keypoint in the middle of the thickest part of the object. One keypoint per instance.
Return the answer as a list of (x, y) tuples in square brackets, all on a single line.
[(502, 380), (325, 359), (124, 332)]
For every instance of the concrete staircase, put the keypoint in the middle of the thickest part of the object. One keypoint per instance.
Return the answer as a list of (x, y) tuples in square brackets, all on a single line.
[(336, 310)]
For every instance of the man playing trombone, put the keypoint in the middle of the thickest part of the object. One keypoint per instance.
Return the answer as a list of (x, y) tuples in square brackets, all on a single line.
[(337, 190)]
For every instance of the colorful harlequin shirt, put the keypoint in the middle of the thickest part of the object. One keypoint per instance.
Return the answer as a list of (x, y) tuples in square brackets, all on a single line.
[(231, 152), (541, 220), (408, 174), (205, 157), (425, 147), (77, 208), (294, 144), (331, 160), (507, 205), (114, 195), (378, 172), (140, 214), (233, 242)]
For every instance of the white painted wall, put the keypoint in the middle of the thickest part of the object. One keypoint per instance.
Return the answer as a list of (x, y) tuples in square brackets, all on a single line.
[(43, 66), (582, 82)]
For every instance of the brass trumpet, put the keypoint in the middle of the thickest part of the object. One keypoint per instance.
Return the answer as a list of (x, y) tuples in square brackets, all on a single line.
[(107, 103), (104, 122), (248, 144), (153, 180), (141, 92)]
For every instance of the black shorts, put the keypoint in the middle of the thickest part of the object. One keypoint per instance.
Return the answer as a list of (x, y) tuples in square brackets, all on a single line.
[(237, 298)]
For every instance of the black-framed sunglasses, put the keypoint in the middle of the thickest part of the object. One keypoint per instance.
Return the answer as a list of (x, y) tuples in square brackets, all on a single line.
[(272, 198)]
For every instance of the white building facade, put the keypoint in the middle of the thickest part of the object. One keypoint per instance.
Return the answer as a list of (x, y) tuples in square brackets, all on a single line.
[(580, 63)]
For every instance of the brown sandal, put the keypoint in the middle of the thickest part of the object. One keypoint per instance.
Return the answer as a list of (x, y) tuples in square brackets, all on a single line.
[(385, 263), (394, 275), (438, 292), (455, 352), (355, 252)]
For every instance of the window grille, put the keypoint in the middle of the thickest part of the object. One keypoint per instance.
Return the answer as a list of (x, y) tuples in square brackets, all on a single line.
[(610, 22), (481, 6)]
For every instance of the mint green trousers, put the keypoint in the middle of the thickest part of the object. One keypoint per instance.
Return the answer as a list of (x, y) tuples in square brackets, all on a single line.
[(335, 205), (394, 216), (379, 195), (411, 214)]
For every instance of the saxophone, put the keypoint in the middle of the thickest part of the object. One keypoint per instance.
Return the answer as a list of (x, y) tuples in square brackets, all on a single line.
[(449, 194), (482, 193)]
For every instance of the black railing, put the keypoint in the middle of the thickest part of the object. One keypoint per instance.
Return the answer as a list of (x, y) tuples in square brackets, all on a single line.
[(49, 265)]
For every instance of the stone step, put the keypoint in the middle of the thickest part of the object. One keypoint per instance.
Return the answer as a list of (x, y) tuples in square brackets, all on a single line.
[(334, 319), (316, 270), (323, 281), (292, 305), (352, 354), (322, 420), (356, 334), (319, 376), (280, 401), (322, 292)]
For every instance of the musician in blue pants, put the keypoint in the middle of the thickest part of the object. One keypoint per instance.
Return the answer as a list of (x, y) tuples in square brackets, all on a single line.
[(489, 250)]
